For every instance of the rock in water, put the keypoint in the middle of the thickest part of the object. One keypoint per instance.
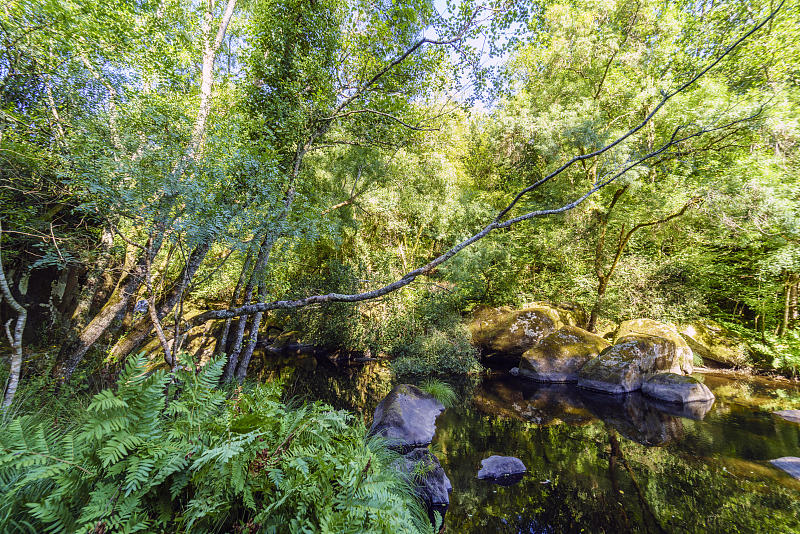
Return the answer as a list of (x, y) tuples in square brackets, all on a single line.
[(431, 485), (691, 410), (503, 470), (790, 464), (406, 417), (667, 348), (642, 348), (560, 355), (789, 415), (670, 387)]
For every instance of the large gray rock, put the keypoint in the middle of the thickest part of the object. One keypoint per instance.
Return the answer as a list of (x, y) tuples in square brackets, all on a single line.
[(431, 485), (681, 389), (508, 332), (406, 417), (789, 415), (790, 464), (504, 470), (642, 348), (560, 355)]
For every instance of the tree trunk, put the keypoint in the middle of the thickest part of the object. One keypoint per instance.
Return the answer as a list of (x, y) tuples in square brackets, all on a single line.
[(15, 339), (139, 332), (255, 278), (127, 286), (222, 345), (93, 283), (787, 302)]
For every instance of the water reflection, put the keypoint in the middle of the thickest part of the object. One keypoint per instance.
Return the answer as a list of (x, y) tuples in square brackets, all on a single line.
[(597, 463)]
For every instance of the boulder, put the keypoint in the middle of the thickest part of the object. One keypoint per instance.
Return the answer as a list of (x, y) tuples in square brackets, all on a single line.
[(715, 344), (642, 348), (561, 354), (617, 369), (503, 470), (670, 387), (790, 464), (508, 332), (665, 343), (406, 417), (789, 415), (431, 485)]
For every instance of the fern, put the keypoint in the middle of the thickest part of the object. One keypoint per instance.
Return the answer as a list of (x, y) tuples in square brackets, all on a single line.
[(199, 463)]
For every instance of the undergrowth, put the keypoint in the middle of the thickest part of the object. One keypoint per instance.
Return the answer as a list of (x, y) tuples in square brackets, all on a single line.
[(172, 453)]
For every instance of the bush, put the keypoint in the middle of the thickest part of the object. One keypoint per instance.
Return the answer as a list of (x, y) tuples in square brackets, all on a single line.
[(201, 463)]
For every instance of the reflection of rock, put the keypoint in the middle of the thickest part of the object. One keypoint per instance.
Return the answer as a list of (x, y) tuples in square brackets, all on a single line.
[(715, 343), (561, 354), (789, 415), (690, 410), (633, 417), (430, 482), (503, 470), (642, 348), (538, 403), (681, 389), (508, 332), (790, 464), (406, 417)]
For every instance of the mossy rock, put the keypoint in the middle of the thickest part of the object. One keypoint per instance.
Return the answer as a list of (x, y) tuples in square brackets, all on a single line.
[(510, 332), (715, 344), (667, 348), (635, 357), (560, 355)]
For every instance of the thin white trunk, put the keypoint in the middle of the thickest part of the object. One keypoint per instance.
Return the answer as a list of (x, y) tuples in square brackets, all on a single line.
[(15, 339)]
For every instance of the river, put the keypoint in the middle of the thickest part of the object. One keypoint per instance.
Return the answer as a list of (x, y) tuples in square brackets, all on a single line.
[(596, 463)]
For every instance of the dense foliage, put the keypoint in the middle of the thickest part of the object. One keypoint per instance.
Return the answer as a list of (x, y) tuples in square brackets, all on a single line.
[(227, 177), (169, 453)]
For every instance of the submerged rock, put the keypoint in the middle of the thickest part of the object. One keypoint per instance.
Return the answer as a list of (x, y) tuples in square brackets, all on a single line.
[(642, 348), (681, 389), (406, 417), (425, 473), (790, 464), (561, 354), (506, 332), (715, 344), (789, 415), (503, 470)]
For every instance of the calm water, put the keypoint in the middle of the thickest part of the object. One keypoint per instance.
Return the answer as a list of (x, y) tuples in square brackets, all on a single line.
[(598, 463)]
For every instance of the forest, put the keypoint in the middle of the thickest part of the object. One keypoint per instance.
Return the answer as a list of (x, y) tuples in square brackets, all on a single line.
[(204, 204)]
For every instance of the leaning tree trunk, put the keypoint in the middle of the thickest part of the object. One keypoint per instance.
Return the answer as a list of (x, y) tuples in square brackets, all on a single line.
[(126, 287), (139, 332), (80, 316)]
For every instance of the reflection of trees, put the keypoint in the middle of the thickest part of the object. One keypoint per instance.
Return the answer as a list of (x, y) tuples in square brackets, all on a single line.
[(598, 482), (595, 480)]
